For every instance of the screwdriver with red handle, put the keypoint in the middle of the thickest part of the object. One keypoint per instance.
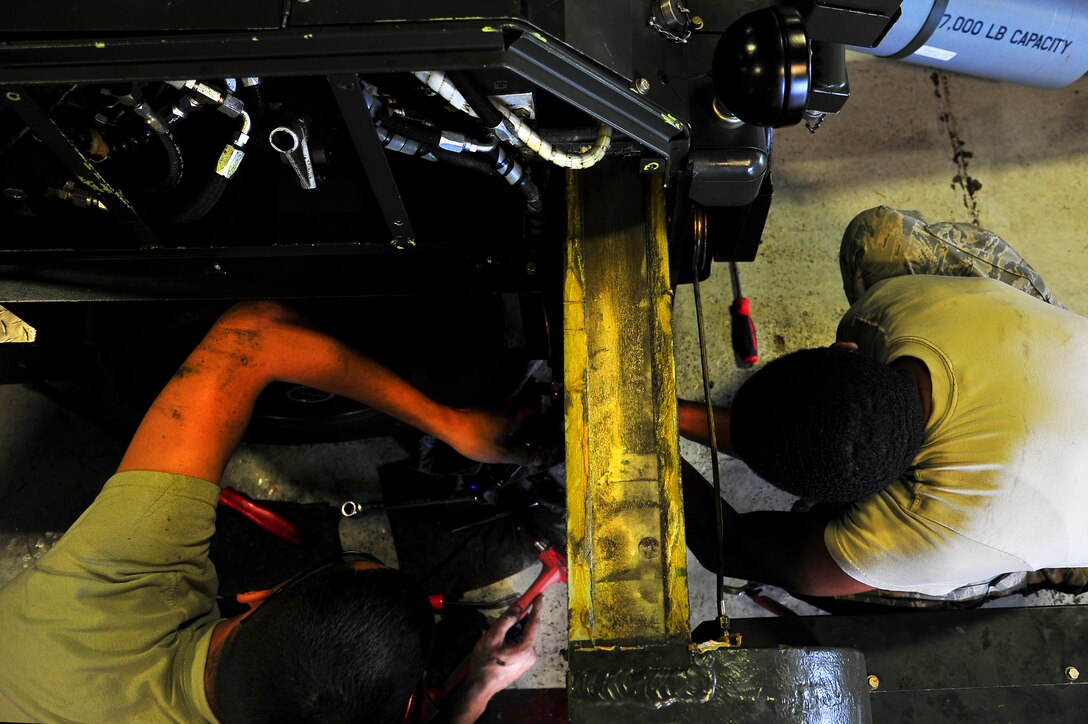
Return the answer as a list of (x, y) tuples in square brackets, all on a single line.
[(742, 328)]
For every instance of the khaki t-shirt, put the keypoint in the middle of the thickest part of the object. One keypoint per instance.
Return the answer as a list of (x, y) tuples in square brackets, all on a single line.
[(1001, 481), (113, 624)]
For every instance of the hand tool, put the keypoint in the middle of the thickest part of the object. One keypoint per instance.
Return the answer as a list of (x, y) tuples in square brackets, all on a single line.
[(554, 570), (264, 518), (439, 602), (500, 516), (292, 142), (743, 329), (351, 508)]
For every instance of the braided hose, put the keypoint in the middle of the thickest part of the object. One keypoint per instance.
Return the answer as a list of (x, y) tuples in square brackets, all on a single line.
[(437, 82)]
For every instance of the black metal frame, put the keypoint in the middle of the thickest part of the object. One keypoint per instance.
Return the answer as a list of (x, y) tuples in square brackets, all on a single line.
[(340, 53)]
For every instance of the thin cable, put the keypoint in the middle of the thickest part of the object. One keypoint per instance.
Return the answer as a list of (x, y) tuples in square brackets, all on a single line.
[(723, 620)]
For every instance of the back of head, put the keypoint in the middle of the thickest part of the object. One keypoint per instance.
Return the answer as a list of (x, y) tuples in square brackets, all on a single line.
[(339, 645), (828, 425)]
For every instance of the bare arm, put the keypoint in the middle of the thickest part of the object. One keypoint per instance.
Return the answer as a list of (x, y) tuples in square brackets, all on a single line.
[(198, 419), (781, 548), (692, 416), (788, 550)]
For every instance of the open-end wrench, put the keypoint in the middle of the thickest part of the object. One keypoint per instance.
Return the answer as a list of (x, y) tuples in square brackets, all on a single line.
[(292, 141)]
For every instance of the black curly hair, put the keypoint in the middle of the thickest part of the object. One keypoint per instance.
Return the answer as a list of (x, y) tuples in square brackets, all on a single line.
[(828, 425)]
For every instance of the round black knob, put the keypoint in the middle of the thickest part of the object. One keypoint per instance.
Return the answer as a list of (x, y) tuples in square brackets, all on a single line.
[(761, 67)]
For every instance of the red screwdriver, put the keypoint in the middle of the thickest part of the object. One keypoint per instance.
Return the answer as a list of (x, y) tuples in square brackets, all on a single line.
[(742, 328)]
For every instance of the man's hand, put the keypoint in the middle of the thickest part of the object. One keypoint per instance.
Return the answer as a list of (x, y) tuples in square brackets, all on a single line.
[(495, 662), (483, 436)]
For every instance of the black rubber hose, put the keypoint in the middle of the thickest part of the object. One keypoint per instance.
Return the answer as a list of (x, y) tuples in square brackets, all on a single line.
[(253, 97), (410, 129), (201, 204), (175, 166), (534, 203), (472, 161), (476, 98), (485, 163)]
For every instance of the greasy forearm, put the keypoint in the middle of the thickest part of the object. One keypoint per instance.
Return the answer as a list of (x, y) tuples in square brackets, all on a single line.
[(293, 350), (198, 419), (692, 418)]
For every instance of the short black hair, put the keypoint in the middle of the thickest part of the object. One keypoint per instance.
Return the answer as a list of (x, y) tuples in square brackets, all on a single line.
[(828, 425), (340, 645)]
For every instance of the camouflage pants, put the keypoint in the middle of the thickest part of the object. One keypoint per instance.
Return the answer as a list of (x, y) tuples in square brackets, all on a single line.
[(882, 242)]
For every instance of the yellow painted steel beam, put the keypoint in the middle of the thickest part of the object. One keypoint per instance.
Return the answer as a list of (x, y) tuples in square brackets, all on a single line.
[(625, 536)]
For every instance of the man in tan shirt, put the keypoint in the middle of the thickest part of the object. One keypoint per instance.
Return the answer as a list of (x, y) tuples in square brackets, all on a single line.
[(119, 621)]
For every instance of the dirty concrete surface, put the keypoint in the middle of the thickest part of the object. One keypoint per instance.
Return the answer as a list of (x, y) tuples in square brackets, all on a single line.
[(1011, 158)]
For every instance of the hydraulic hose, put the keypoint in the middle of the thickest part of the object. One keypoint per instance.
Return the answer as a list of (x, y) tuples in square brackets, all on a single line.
[(212, 190), (410, 129), (497, 163), (415, 139), (199, 206), (476, 99), (444, 87), (175, 165), (155, 125)]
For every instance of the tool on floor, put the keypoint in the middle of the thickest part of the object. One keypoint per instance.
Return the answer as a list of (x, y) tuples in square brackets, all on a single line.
[(742, 328), (554, 571), (351, 508), (264, 518), (500, 516)]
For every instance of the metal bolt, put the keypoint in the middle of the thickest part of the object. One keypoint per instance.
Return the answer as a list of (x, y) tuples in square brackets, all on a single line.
[(1071, 673), (874, 682), (649, 547), (530, 268), (398, 222), (696, 22), (642, 86)]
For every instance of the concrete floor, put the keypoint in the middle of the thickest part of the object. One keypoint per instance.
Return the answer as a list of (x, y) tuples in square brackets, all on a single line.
[(893, 143)]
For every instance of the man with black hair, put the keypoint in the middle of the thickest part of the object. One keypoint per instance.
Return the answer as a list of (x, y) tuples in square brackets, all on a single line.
[(940, 440), (119, 622)]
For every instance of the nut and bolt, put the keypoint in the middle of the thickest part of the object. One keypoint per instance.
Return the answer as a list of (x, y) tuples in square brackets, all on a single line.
[(530, 268), (642, 86), (1072, 673), (874, 682)]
